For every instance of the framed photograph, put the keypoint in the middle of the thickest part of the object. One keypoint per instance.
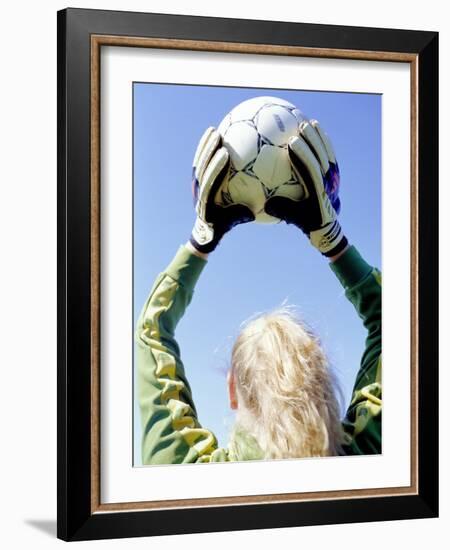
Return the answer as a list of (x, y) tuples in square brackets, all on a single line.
[(247, 271)]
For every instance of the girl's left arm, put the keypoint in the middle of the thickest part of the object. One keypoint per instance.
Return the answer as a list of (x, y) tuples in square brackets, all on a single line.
[(362, 284), (171, 432)]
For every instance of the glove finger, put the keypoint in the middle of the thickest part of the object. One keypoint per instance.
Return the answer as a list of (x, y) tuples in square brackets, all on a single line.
[(212, 178), (312, 137), (207, 146), (201, 145), (325, 141), (305, 163), (303, 160), (196, 162)]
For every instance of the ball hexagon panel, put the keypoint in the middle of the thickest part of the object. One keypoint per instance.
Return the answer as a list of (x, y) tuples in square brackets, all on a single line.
[(276, 124), (241, 140), (244, 189), (290, 190), (248, 109), (272, 166)]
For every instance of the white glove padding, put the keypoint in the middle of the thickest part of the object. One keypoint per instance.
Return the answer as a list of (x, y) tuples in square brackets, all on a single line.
[(210, 167)]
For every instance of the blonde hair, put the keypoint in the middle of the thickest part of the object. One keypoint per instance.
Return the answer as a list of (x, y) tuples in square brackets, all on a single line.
[(287, 394)]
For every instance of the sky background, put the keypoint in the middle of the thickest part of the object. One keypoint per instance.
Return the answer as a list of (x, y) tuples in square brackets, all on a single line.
[(256, 267)]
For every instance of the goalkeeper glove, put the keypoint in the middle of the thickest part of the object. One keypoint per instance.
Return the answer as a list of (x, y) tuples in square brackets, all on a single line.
[(210, 167), (314, 163)]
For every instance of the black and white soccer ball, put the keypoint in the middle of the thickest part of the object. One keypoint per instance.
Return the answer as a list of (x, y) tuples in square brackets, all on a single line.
[(256, 133)]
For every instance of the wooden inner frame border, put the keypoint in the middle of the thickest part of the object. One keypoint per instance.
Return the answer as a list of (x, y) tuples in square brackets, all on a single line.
[(97, 41)]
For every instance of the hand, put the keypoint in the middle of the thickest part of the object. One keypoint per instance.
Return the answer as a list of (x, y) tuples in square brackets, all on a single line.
[(314, 163), (211, 165)]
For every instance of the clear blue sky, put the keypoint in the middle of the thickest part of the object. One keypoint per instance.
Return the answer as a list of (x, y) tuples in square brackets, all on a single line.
[(256, 267)]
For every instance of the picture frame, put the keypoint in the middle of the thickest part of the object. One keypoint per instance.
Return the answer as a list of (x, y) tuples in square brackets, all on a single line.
[(81, 36)]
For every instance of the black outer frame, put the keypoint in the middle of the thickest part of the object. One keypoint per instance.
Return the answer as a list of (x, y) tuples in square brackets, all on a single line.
[(75, 521)]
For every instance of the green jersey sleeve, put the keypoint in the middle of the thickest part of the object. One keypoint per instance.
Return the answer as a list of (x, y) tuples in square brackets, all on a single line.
[(171, 432), (362, 422)]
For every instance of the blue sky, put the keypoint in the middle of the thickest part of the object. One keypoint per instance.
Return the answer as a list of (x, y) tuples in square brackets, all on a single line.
[(256, 267)]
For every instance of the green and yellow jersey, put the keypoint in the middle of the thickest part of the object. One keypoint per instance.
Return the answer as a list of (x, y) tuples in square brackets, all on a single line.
[(172, 432)]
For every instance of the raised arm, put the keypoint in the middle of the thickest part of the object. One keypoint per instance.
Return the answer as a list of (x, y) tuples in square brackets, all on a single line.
[(314, 162), (171, 431), (362, 284)]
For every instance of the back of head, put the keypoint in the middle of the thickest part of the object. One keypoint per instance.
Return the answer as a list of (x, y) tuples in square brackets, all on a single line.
[(285, 389)]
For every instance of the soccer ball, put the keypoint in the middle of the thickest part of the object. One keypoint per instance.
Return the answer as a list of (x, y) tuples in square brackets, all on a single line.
[(256, 133)]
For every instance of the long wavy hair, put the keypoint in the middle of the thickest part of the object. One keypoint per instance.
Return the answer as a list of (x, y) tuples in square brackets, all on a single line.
[(288, 396)]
